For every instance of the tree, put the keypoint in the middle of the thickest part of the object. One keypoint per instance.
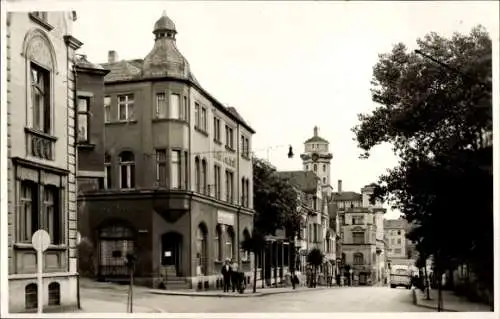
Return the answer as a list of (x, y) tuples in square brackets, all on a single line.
[(254, 244), (315, 259), (437, 118), (275, 200)]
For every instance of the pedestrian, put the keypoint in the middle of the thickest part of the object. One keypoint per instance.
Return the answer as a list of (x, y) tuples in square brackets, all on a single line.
[(235, 276), (226, 275)]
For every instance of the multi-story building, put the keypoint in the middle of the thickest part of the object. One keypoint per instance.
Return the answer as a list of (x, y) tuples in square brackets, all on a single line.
[(41, 157), (317, 158), (178, 191), (362, 235), (395, 232)]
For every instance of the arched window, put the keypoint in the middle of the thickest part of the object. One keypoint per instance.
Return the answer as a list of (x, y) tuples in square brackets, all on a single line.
[(127, 170), (204, 176), (31, 296), (54, 294), (107, 171), (358, 259), (315, 167), (201, 248), (197, 174), (218, 243), (230, 243), (246, 236)]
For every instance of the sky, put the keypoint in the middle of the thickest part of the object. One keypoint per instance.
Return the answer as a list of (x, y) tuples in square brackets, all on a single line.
[(285, 66)]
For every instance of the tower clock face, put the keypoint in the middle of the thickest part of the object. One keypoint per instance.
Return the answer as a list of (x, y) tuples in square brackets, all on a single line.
[(315, 157)]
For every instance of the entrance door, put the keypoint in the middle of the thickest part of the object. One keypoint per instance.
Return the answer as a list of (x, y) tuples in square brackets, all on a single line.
[(171, 251)]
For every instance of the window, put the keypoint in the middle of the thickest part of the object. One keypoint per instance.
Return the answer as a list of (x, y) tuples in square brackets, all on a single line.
[(315, 167), (161, 106), (201, 248), (42, 15), (186, 170), (245, 149), (127, 170), (307, 167), (204, 119), (185, 113), (107, 109), (161, 167), (397, 251), (29, 210), (242, 145), (196, 115), (217, 181), (399, 241), (358, 220), (175, 106), (243, 192), (399, 232), (358, 259), (229, 186), (54, 294), (126, 107), (197, 174), (247, 185), (83, 119), (324, 168), (52, 213), (216, 129), (175, 169), (107, 171), (324, 180), (204, 188), (40, 99), (229, 137), (229, 243), (31, 296), (358, 237), (218, 243)]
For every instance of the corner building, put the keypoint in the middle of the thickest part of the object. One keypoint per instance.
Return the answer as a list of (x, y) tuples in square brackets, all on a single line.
[(178, 174), (41, 158)]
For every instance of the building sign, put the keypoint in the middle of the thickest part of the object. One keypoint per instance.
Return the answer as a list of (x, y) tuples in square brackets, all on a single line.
[(226, 159), (225, 218)]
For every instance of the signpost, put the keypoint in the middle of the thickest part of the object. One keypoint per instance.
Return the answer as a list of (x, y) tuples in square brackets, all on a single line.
[(40, 241)]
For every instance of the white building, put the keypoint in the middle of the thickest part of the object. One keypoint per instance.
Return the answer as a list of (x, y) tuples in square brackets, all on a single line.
[(41, 157)]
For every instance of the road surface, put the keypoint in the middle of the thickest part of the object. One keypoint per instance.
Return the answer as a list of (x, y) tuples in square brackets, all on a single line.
[(344, 299)]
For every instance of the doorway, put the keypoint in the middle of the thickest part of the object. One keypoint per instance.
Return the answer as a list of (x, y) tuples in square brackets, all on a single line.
[(171, 252)]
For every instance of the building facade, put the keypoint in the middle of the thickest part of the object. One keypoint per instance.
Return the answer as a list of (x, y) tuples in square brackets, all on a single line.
[(362, 236), (41, 157), (178, 191), (395, 232), (317, 158)]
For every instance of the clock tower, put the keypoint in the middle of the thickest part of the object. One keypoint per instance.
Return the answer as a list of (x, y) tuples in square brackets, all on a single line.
[(317, 158)]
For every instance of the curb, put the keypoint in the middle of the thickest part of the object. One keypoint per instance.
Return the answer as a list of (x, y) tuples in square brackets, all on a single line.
[(415, 302), (223, 295)]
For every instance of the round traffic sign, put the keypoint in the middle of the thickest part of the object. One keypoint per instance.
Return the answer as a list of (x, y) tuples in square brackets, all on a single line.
[(40, 240)]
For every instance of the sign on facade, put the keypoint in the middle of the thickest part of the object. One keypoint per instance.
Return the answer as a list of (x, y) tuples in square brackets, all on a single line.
[(225, 218), (228, 160)]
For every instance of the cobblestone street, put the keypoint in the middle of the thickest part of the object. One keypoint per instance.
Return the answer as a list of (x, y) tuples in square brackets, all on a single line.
[(346, 299)]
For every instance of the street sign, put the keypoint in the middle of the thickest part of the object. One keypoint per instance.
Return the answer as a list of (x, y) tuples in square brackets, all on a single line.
[(40, 241)]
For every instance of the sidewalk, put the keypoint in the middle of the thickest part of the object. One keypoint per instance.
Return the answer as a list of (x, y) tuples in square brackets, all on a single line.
[(102, 306), (247, 294), (451, 302)]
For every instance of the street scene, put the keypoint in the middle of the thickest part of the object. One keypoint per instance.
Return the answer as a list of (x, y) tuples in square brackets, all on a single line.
[(252, 158)]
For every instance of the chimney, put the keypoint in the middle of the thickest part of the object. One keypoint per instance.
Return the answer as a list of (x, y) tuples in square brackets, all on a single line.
[(315, 131), (112, 56), (339, 186)]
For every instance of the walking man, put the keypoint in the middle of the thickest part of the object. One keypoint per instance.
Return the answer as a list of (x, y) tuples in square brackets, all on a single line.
[(226, 275)]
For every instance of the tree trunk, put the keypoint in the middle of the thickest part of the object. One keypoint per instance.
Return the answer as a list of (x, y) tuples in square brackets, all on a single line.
[(427, 282), (255, 272)]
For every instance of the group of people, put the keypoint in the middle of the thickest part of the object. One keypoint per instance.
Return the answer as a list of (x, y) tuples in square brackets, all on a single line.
[(232, 278)]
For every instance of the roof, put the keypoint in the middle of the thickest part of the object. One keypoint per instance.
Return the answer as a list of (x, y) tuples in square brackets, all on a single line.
[(394, 224), (346, 196), (81, 62), (233, 111), (164, 23), (306, 181), (315, 139)]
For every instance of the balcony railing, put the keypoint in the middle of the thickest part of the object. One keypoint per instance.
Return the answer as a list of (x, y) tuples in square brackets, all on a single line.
[(39, 144)]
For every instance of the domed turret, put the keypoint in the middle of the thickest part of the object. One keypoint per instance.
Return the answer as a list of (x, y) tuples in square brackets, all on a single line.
[(165, 59)]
